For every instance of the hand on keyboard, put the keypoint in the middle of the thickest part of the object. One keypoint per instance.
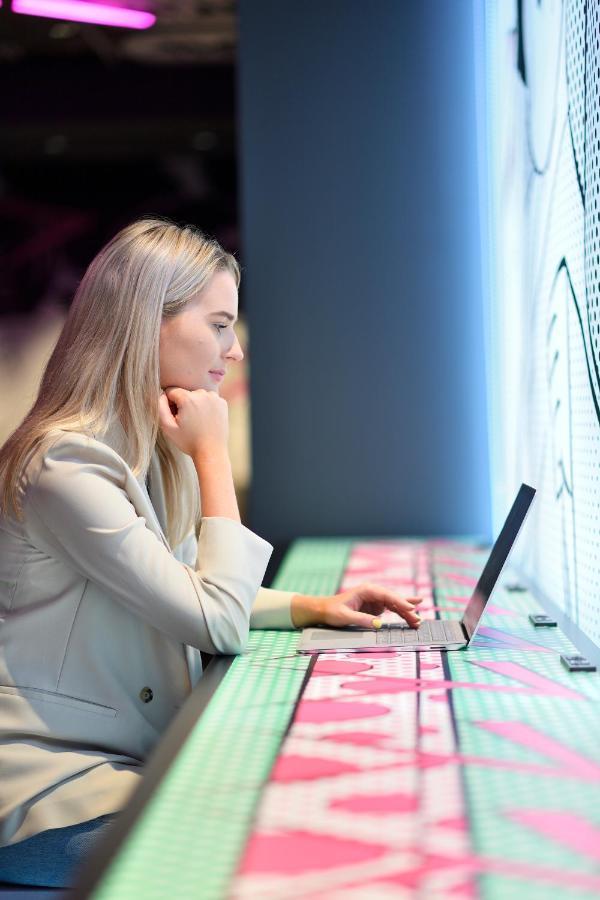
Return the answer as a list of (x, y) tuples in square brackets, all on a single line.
[(360, 606)]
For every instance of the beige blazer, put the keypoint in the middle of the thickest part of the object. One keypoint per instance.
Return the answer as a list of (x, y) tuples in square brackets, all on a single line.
[(101, 628)]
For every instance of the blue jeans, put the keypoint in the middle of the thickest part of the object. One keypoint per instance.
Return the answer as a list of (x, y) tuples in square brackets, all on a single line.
[(52, 858)]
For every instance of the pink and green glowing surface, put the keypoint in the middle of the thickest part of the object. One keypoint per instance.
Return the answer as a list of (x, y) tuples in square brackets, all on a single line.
[(474, 776)]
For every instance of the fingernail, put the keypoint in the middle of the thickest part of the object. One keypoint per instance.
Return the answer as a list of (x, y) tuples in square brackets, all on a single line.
[(376, 623)]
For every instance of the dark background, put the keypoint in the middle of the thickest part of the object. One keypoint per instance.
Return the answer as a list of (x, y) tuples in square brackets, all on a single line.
[(101, 125), (334, 149)]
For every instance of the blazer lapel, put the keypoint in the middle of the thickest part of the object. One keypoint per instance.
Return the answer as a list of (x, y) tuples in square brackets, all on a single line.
[(156, 495), (152, 509), (144, 505)]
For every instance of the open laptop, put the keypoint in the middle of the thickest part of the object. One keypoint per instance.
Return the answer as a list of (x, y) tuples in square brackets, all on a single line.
[(432, 634)]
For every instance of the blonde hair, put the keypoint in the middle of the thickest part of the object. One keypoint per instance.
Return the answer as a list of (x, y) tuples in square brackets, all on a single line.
[(105, 363)]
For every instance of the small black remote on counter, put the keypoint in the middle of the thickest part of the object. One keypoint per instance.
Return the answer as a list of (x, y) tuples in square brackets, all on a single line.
[(538, 619), (576, 663)]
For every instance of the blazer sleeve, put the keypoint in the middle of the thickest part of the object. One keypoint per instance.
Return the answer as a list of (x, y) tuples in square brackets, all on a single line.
[(271, 608), (77, 509)]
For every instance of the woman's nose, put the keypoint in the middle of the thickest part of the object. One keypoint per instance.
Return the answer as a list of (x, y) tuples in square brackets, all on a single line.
[(235, 351)]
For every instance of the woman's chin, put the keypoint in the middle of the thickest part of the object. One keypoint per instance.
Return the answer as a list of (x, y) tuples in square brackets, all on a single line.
[(209, 385)]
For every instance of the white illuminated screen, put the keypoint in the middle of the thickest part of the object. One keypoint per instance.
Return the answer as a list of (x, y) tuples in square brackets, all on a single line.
[(543, 130)]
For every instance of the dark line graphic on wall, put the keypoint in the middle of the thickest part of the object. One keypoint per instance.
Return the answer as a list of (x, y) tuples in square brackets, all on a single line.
[(577, 172), (559, 378), (539, 167), (572, 94), (543, 254), (595, 394), (540, 258), (520, 48), (553, 366), (565, 484), (585, 59)]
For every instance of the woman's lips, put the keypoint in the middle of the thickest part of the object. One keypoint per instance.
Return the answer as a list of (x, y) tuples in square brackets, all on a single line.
[(217, 375)]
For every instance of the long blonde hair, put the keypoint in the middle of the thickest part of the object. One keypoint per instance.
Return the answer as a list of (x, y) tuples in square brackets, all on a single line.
[(105, 363)]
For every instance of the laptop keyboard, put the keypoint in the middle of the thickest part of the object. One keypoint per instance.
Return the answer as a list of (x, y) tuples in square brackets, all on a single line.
[(431, 631)]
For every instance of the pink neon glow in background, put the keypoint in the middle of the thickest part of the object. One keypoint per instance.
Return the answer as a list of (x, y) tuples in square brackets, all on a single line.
[(79, 11)]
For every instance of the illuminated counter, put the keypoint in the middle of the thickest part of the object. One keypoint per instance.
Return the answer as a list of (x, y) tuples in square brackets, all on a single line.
[(459, 774)]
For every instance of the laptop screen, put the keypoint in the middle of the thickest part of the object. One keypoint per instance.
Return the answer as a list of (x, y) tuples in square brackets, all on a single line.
[(496, 559)]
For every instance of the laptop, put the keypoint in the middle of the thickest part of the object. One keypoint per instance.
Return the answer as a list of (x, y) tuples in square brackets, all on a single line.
[(432, 634)]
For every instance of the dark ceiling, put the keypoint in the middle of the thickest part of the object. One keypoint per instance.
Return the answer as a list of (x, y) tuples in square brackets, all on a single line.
[(196, 32), (101, 125)]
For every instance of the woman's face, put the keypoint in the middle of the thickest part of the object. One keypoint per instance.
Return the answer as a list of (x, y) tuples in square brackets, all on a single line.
[(197, 344)]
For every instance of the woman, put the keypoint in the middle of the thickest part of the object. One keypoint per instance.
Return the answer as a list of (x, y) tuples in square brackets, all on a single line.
[(122, 554)]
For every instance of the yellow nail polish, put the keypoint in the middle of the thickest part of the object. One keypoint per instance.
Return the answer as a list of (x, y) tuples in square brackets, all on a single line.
[(376, 623)]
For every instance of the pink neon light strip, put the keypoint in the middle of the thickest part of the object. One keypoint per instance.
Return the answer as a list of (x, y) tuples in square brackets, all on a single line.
[(526, 676), (80, 11), (527, 736), (568, 829)]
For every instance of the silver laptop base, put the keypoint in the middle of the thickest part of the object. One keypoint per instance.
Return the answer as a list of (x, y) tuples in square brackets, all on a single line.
[(433, 634)]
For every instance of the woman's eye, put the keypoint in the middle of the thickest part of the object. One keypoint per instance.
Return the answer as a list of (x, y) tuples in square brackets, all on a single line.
[(220, 328)]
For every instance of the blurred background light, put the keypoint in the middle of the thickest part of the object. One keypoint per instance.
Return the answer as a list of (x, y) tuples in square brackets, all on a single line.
[(80, 11)]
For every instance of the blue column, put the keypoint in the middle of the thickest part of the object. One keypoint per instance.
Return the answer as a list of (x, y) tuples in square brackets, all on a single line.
[(362, 275)]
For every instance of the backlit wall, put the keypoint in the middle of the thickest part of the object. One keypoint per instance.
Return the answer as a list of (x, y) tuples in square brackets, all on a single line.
[(543, 132)]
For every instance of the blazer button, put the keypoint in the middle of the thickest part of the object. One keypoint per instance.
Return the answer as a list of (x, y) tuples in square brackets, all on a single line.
[(146, 694)]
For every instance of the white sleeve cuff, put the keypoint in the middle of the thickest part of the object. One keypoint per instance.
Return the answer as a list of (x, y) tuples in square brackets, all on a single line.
[(272, 609)]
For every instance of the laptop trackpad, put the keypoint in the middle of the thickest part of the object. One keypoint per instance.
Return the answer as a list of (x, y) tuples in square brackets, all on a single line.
[(324, 638)]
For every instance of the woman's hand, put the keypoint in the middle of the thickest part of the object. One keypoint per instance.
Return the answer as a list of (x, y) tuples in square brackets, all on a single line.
[(358, 606), (196, 421)]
